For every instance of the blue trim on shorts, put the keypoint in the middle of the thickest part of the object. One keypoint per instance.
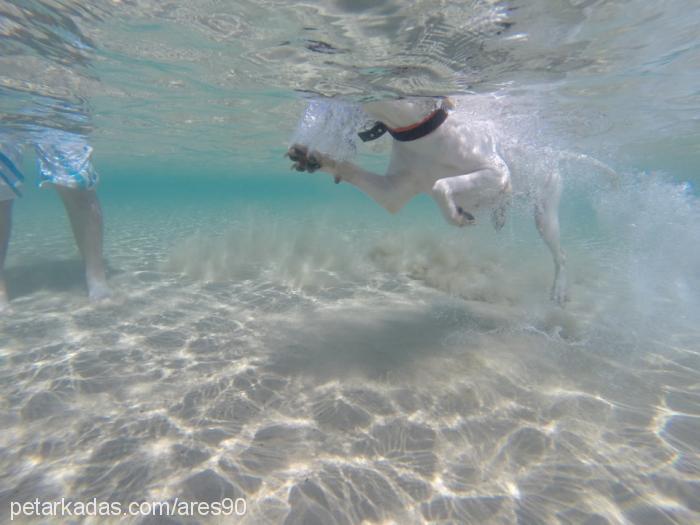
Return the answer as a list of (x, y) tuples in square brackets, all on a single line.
[(13, 169)]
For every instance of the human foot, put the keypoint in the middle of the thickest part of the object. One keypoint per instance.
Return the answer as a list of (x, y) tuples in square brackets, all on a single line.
[(98, 290)]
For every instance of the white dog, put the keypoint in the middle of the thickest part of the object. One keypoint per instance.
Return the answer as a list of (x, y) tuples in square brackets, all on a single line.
[(460, 168)]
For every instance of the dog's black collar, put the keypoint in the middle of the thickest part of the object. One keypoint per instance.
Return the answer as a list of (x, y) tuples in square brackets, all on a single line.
[(374, 132), (408, 133)]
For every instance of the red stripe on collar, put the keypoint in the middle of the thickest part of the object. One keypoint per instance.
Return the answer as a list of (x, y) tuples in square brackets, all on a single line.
[(414, 126)]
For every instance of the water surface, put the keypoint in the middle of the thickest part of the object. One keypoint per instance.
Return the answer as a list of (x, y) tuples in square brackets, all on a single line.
[(279, 338)]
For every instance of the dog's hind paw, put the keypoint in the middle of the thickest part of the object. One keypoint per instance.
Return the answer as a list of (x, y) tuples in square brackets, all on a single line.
[(498, 218)]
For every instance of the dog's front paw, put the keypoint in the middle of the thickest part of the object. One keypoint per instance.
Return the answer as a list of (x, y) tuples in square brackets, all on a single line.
[(464, 218), (313, 161), (320, 161), (298, 154), (305, 160)]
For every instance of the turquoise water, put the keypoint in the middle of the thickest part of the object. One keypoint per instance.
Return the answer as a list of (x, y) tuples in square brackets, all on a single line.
[(278, 338)]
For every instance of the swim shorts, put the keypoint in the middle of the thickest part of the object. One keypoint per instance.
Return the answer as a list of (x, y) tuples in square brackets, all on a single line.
[(63, 158)]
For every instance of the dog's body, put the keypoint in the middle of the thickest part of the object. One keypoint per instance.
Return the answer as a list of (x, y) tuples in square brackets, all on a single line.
[(461, 168)]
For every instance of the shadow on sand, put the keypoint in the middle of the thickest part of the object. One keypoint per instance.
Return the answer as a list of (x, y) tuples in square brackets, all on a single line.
[(45, 274)]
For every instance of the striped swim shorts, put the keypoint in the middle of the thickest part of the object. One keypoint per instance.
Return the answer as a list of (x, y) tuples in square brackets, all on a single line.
[(63, 158)]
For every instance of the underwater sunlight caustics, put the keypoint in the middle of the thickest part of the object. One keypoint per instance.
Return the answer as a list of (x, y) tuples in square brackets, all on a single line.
[(491, 317)]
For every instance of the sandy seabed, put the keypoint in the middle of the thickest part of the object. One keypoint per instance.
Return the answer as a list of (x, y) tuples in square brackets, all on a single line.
[(324, 380)]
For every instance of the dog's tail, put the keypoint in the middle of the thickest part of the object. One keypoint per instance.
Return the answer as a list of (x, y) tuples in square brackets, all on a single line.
[(591, 161)]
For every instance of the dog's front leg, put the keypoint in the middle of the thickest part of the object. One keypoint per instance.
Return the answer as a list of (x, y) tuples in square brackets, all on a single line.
[(390, 191), (484, 188)]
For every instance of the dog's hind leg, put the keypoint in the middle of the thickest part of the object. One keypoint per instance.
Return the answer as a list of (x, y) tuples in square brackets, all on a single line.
[(547, 221), (499, 213)]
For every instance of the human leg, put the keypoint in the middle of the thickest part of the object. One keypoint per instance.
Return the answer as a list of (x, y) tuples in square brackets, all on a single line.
[(65, 163), (10, 180), (5, 227), (85, 215)]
